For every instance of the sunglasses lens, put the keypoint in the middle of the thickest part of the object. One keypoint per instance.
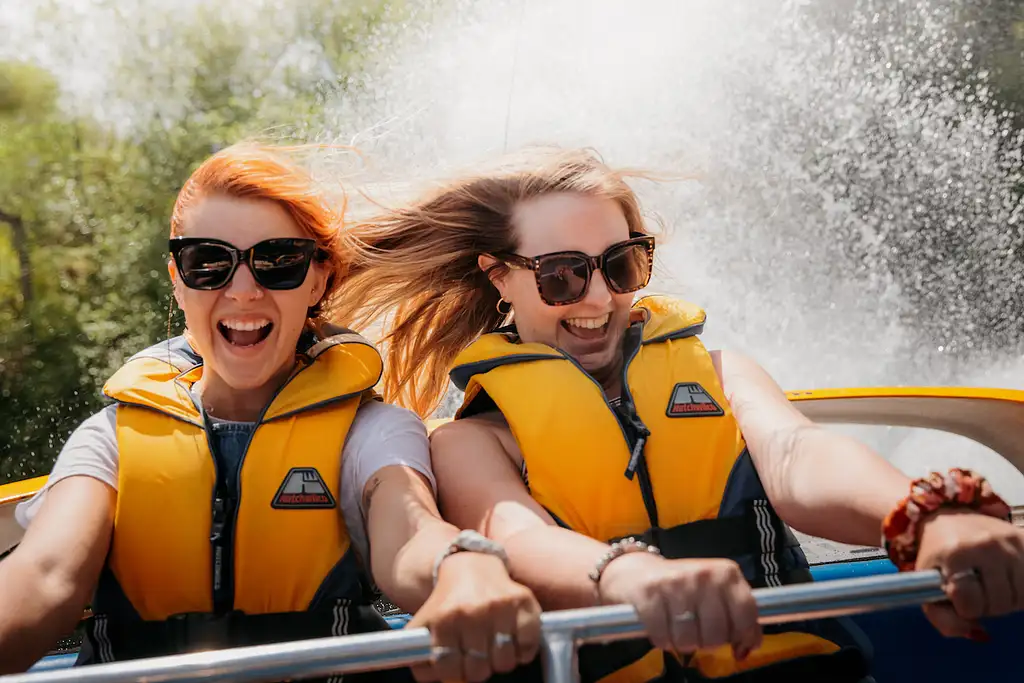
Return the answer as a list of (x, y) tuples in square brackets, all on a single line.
[(204, 266), (628, 268), (282, 263), (562, 278)]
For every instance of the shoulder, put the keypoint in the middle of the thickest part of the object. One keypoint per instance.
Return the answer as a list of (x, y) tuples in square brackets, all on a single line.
[(90, 451), (98, 432), (482, 433), (739, 372), (731, 360), (478, 424), (382, 435), (757, 400)]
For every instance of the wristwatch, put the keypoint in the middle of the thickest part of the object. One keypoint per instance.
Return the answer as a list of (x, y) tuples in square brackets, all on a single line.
[(470, 541)]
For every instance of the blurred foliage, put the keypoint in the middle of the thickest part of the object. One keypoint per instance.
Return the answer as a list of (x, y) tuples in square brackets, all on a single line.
[(84, 206)]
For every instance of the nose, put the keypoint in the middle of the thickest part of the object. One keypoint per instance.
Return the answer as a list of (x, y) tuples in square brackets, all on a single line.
[(243, 286), (598, 292)]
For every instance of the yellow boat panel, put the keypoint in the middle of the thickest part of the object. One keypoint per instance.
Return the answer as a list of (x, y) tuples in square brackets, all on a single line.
[(17, 491), (908, 392)]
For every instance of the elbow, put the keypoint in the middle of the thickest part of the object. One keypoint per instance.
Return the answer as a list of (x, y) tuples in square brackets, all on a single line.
[(42, 578), (62, 596)]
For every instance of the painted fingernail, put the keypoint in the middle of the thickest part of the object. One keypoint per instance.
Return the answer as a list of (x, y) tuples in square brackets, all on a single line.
[(979, 635)]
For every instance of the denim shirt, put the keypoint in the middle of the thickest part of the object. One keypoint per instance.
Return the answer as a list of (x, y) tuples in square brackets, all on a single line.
[(228, 440)]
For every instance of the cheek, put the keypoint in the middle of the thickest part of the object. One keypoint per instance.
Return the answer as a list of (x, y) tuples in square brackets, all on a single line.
[(292, 306), (538, 321), (197, 307), (522, 290), (623, 302)]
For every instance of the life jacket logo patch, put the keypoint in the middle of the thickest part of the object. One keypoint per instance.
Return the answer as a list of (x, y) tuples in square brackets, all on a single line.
[(690, 399), (303, 489)]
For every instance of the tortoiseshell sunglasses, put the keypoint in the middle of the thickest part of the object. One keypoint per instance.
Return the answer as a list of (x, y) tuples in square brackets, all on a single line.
[(563, 277)]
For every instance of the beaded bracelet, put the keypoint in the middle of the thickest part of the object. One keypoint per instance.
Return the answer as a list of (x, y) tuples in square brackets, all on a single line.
[(618, 549), (901, 530)]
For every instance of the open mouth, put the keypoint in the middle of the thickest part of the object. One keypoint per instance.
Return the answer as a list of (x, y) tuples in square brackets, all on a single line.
[(245, 334), (587, 328)]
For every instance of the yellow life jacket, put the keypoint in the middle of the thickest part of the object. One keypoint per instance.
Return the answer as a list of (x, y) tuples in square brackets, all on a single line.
[(668, 465), (196, 562)]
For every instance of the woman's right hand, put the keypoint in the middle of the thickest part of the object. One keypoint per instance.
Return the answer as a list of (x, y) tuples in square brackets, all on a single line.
[(481, 622), (686, 605)]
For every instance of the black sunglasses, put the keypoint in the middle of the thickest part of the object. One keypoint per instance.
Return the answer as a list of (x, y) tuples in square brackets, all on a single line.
[(207, 263), (563, 277)]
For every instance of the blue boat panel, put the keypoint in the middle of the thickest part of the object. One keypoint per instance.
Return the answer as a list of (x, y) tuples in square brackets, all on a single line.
[(52, 662), (851, 570), (397, 621), (908, 648)]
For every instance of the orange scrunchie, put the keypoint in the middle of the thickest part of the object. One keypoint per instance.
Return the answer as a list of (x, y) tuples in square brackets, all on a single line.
[(958, 489)]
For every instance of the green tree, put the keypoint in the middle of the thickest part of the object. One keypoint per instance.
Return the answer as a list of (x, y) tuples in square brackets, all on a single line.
[(85, 201)]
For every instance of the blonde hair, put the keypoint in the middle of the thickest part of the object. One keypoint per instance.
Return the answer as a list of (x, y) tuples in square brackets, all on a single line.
[(418, 262)]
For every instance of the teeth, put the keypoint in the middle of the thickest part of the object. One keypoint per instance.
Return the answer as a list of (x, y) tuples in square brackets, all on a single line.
[(245, 325), (589, 323)]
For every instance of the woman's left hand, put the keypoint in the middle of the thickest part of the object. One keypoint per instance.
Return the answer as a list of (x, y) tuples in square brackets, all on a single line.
[(981, 559), (481, 622)]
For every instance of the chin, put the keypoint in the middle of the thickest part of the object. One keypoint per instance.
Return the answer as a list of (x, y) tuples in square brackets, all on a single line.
[(245, 376), (241, 381), (597, 363)]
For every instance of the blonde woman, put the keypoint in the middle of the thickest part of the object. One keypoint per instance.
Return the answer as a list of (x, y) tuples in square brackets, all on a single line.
[(619, 461)]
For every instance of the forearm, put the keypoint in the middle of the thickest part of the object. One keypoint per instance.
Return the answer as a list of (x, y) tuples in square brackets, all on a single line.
[(554, 563), (36, 608), (405, 572), (829, 485)]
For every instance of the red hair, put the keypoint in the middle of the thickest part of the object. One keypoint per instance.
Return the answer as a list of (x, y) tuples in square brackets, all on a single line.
[(255, 171)]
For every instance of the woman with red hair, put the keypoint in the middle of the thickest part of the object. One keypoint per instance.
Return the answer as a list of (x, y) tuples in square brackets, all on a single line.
[(247, 484)]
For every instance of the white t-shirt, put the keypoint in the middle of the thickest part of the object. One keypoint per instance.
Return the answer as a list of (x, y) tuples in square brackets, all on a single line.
[(381, 435)]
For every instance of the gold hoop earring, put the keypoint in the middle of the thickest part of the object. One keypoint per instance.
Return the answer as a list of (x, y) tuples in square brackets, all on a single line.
[(501, 301)]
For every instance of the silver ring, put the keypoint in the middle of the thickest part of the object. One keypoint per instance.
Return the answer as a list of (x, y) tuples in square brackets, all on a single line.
[(439, 651), (478, 654), (971, 573), (685, 617), (503, 639)]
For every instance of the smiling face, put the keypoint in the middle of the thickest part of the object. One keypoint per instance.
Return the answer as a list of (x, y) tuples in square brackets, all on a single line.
[(591, 329), (245, 333)]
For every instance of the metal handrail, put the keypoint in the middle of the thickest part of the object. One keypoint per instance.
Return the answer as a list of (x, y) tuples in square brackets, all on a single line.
[(562, 632)]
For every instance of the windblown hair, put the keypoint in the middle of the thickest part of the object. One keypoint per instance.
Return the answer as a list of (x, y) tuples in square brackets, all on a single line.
[(417, 264), (255, 171)]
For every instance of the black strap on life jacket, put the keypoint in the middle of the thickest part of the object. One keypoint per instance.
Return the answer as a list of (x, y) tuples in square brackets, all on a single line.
[(759, 540)]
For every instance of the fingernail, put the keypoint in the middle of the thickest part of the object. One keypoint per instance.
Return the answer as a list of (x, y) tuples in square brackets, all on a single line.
[(979, 635)]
